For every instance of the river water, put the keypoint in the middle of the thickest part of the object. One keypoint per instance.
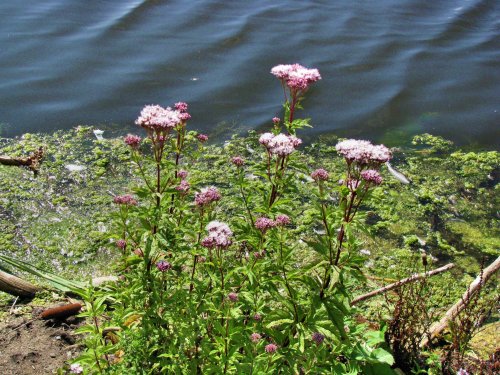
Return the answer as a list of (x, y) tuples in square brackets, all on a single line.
[(390, 68)]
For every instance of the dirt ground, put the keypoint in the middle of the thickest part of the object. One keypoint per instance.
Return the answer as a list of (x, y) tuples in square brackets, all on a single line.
[(29, 345)]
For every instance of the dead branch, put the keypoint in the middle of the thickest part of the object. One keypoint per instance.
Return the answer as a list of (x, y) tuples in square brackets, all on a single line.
[(61, 312), (401, 282), (16, 286), (478, 282), (32, 161)]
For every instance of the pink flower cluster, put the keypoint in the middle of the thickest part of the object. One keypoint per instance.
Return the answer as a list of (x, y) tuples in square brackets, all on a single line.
[(202, 138), (295, 76), (183, 186), (126, 199), (183, 114), (157, 118), (76, 368), (233, 297), (255, 337), (264, 223), (219, 235), (206, 196), (163, 265), (371, 176), (271, 348), (121, 244), (132, 140), (238, 161), (320, 175), (363, 152), (282, 220), (280, 144)]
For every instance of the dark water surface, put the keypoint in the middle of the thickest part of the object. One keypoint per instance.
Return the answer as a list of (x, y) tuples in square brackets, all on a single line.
[(391, 68)]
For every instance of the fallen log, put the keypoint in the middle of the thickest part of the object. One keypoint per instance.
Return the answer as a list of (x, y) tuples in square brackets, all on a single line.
[(32, 161), (397, 284), (437, 328), (14, 285)]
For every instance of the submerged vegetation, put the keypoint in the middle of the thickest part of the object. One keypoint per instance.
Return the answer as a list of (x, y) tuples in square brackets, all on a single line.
[(245, 257)]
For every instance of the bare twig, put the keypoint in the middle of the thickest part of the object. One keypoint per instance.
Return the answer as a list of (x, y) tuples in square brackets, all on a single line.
[(401, 282), (32, 161), (13, 305)]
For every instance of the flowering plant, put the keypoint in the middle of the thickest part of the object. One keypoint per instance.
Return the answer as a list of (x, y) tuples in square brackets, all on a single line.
[(220, 283)]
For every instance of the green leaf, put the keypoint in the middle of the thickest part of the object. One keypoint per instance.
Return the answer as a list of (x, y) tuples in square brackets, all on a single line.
[(279, 322), (57, 282), (383, 356)]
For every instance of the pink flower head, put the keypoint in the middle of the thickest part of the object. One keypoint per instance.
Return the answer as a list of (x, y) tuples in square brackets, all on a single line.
[(219, 235), (233, 297), (265, 138), (371, 176), (206, 196), (181, 106), (132, 140), (157, 118), (320, 175), (264, 223), (282, 220), (76, 368), (126, 200), (363, 152), (163, 265), (276, 120), (280, 144), (318, 338), (183, 186), (295, 141), (295, 76), (184, 116), (182, 174), (202, 138), (255, 337), (121, 244), (271, 348), (238, 161)]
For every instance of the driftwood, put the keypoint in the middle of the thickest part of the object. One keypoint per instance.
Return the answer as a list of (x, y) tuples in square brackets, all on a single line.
[(479, 281), (32, 161), (401, 282), (16, 286)]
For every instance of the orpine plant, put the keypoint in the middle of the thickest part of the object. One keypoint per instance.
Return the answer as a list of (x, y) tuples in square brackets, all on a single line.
[(240, 293)]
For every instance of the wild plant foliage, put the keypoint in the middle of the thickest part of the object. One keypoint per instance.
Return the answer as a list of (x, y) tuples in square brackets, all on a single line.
[(204, 290)]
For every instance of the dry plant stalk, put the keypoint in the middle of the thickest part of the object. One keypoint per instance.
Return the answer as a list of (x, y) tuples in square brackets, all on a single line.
[(32, 161), (401, 282), (478, 282)]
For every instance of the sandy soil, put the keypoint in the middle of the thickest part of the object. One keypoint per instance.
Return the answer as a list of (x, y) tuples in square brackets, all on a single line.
[(29, 345)]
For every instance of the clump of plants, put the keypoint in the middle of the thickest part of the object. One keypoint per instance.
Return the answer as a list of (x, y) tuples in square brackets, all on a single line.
[(205, 290)]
